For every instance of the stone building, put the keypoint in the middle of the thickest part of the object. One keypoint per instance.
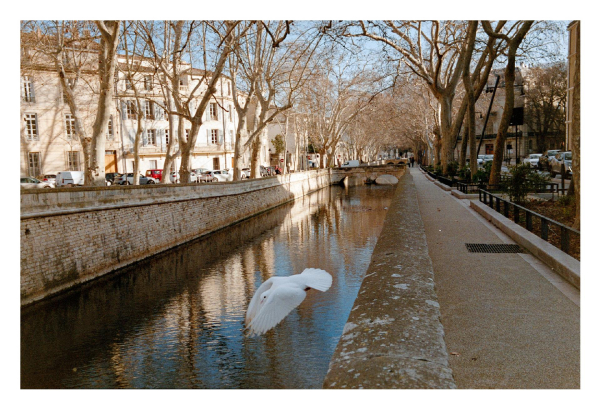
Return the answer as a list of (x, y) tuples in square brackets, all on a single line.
[(49, 142)]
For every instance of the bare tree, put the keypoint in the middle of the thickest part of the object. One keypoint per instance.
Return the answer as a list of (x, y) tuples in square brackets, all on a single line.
[(269, 70), (109, 31), (509, 78), (546, 100)]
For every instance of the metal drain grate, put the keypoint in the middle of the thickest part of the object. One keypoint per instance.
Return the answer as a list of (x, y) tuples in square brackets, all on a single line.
[(493, 248)]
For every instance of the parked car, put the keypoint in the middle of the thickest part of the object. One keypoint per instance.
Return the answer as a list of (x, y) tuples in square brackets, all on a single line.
[(70, 178), (533, 159), (560, 159), (353, 164), (216, 176), (245, 173), (197, 172), (544, 161), (264, 172), (48, 179), (175, 177), (486, 159), (34, 183), (127, 179), (110, 178), (154, 173)]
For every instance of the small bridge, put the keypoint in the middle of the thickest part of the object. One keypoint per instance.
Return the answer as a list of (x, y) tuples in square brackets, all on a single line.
[(365, 174)]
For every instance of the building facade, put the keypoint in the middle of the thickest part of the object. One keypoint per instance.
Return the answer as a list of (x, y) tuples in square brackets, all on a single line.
[(50, 143)]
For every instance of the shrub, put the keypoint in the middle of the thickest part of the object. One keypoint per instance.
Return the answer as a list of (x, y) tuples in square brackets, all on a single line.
[(524, 179), (452, 168), (483, 175), (464, 173)]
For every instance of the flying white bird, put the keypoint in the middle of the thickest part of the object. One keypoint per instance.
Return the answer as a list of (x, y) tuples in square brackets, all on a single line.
[(278, 296)]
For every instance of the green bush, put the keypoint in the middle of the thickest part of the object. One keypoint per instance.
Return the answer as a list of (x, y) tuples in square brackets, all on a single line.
[(452, 169), (464, 173), (483, 175), (524, 179)]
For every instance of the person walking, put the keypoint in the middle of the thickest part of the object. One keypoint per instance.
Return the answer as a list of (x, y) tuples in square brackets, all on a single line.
[(412, 161)]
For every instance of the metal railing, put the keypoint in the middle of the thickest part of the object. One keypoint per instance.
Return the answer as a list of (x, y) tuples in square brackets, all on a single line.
[(497, 203)]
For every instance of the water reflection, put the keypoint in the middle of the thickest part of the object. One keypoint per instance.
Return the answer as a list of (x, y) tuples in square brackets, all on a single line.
[(176, 320)]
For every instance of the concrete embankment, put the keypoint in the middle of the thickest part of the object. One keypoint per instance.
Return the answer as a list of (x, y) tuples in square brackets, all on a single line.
[(393, 337)]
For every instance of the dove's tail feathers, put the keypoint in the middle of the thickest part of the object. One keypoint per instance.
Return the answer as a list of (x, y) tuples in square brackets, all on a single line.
[(318, 279)]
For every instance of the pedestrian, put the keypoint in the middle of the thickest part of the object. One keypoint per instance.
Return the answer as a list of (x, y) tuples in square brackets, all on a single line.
[(277, 171), (412, 161)]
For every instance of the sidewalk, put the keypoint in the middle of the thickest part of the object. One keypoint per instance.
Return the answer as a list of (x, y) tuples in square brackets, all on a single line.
[(508, 321)]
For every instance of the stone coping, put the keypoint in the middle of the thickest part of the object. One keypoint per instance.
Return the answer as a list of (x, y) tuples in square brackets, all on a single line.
[(559, 261), (393, 337)]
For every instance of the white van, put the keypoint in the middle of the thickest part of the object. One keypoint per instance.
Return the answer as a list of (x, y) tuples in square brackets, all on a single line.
[(351, 164), (69, 178)]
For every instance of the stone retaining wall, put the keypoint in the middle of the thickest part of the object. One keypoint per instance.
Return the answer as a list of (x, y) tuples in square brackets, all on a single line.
[(70, 236), (394, 337)]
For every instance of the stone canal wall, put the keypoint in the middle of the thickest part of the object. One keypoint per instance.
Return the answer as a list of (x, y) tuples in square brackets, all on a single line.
[(393, 338), (72, 235)]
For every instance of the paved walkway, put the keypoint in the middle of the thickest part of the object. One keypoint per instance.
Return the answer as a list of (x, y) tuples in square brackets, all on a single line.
[(509, 321)]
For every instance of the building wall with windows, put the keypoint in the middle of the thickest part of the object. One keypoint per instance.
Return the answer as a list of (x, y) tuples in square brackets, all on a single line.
[(49, 143)]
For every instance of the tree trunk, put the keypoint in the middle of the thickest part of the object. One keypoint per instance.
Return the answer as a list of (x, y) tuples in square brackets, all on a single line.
[(106, 71), (575, 148), (446, 128)]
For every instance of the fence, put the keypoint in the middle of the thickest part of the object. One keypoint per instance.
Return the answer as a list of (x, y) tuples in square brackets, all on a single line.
[(544, 228)]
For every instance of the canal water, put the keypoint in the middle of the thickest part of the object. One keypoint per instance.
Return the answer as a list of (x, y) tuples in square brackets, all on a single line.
[(176, 320)]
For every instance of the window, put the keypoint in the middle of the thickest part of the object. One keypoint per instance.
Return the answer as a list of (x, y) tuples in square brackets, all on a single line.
[(128, 84), (130, 109), (73, 160), (148, 82), (34, 164), (183, 84), (214, 136), (70, 126), (31, 129), (110, 136), (149, 109), (151, 137), (230, 113), (28, 95), (153, 164), (213, 111)]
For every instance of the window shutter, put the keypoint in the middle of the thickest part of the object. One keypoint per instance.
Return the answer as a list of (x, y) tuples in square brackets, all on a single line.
[(220, 137), (123, 110), (144, 137), (208, 136)]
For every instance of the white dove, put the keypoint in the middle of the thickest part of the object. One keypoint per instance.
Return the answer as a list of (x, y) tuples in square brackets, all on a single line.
[(278, 296)]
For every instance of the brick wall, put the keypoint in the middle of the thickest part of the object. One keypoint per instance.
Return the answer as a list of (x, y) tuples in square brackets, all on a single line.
[(70, 236)]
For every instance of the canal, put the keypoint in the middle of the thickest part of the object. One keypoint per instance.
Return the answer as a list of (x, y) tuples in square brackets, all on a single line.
[(176, 320)]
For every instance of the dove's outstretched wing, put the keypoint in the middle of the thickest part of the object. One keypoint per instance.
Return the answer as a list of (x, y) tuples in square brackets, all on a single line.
[(254, 305), (316, 278), (278, 304)]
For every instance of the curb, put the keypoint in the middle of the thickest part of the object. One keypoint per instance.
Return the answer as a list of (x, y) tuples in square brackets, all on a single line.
[(442, 186), (563, 264), (461, 195)]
